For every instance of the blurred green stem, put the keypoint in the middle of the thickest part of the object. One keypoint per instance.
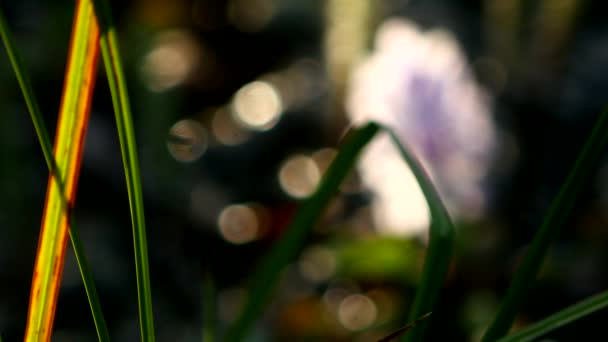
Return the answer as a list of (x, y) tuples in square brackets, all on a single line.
[(559, 319), (28, 92), (285, 250), (559, 211)]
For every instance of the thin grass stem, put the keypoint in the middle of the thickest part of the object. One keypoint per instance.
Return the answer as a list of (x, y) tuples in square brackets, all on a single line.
[(27, 91), (128, 147), (559, 319), (89, 283), (558, 212)]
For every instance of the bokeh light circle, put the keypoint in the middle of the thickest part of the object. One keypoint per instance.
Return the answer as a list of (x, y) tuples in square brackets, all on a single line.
[(187, 140)]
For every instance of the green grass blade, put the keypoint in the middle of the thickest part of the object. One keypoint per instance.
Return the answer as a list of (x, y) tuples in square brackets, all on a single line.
[(286, 249), (45, 144), (558, 212), (28, 92), (559, 319), (128, 147), (89, 283), (439, 251)]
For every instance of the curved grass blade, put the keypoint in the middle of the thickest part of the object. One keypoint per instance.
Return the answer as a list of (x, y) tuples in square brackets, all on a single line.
[(441, 240), (47, 149), (559, 319), (71, 127), (558, 212), (128, 147), (286, 249)]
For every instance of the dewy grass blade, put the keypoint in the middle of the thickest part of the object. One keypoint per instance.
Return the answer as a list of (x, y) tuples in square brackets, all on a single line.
[(73, 117), (439, 251), (559, 319), (559, 211), (266, 276), (47, 149), (126, 134)]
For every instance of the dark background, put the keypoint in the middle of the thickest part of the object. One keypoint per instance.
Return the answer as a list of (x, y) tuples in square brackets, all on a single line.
[(548, 86)]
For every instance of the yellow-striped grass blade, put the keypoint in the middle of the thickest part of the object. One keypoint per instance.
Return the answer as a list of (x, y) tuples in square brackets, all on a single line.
[(69, 139)]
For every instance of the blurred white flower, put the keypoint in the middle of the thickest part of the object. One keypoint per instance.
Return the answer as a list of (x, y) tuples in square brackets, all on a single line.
[(419, 84)]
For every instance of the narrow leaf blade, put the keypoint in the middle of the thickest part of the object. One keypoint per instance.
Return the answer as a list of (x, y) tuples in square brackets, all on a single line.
[(441, 241), (73, 117), (288, 246), (47, 149), (557, 214), (128, 147), (559, 319)]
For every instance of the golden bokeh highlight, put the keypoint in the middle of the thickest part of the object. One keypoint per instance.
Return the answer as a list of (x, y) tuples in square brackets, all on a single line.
[(257, 106), (357, 312), (299, 83), (299, 176), (171, 61), (239, 223), (317, 263), (250, 15), (187, 140), (226, 130)]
